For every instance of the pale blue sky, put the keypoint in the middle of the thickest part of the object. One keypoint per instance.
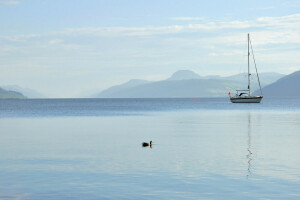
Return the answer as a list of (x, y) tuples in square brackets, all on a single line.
[(64, 48)]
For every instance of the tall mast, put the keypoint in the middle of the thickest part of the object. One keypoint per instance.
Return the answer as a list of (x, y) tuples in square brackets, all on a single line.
[(248, 66), (255, 68)]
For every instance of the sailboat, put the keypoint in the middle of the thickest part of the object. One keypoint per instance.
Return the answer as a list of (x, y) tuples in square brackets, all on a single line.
[(244, 96)]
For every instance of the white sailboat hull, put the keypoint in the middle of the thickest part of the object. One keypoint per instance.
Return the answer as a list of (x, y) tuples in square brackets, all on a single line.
[(247, 99)]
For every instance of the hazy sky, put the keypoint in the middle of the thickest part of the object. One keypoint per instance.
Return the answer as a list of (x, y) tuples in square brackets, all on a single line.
[(62, 48)]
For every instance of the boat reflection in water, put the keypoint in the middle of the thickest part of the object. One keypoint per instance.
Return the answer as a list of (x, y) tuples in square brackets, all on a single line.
[(249, 155)]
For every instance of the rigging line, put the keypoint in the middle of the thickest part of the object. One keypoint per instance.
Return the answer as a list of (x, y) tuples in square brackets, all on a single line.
[(256, 68)]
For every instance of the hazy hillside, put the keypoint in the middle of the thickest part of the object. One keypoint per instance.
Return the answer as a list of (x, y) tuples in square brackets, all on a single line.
[(288, 86), (265, 79), (118, 88), (25, 91), (177, 89), (4, 94), (185, 83)]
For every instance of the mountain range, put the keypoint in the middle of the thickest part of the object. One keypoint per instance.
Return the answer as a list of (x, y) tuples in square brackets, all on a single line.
[(186, 83)]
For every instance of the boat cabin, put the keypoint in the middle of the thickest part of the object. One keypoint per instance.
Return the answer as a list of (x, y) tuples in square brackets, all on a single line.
[(241, 93)]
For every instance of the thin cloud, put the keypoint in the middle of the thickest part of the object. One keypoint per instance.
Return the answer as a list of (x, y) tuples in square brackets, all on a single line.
[(268, 30), (187, 18), (10, 2), (222, 25), (55, 41), (266, 8), (279, 23), (289, 21)]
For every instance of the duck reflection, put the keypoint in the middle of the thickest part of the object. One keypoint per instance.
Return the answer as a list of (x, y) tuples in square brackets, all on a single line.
[(249, 155)]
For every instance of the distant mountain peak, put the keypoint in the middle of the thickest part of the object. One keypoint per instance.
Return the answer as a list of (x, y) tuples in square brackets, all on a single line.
[(184, 75)]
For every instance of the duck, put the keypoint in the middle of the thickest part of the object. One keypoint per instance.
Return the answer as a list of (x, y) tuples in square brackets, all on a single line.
[(145, 144)]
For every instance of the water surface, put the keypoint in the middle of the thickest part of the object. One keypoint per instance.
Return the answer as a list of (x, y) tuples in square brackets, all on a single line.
[(205, 149)]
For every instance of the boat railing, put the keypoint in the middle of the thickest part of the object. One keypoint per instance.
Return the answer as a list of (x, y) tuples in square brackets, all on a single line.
[(241, 90)]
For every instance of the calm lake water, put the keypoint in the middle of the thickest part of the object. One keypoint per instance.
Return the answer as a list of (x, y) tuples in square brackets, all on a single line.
[(202, 149)]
